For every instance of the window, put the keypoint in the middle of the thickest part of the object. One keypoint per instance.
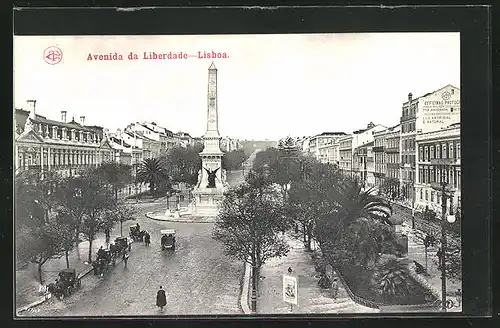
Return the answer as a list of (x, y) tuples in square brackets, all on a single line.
[(438, 151), (443, 151), (420, 175), (421, 194), (420, 153), (452, 91), (432, 196), (450, 150), (426, 195), (458, 150), (426, 154), (432, 152)]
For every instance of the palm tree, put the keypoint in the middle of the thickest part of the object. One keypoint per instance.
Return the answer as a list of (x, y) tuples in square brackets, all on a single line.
[(393, 277), (356, 204), (152, 171)]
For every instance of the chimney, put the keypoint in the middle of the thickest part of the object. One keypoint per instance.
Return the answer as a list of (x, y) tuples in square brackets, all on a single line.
[(63, 116), (82, 120), (31, 107), (410, 96)]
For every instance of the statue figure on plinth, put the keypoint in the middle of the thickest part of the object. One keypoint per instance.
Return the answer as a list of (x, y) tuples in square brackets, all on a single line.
[(211, 177)]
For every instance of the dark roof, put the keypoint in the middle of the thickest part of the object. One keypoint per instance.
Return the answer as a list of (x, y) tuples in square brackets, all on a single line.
[(148, 128), (333, 133), (119, 141), (359, 131), (71, 125)]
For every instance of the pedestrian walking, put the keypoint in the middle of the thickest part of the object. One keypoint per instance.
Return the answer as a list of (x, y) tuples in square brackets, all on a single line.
[(335, 288), (125, 257), (161, 298)]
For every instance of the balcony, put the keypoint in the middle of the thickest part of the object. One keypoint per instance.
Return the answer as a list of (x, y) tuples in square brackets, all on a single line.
[(443, 161), (378, 149), (379, 175), (392, 150)]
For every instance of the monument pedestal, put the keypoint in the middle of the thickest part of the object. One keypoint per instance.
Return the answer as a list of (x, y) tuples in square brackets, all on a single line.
[(207, 201)]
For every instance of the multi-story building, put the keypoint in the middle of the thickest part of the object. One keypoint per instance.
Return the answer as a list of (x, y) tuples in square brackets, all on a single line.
[(66, 147), (392, 151), (329, 152), (438, 160), (151, 144), (228, 144), (185, 138), (363, 164), (348, 143), (380, 166), (427, 113), (345, 153), (166, 137), (319, 141)]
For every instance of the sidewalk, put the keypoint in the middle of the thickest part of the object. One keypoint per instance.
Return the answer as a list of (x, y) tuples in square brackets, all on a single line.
[(416, 252), (27, 285), (311, 298)]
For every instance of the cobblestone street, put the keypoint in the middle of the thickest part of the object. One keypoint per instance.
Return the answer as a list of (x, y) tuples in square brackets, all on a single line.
[(197, 277)]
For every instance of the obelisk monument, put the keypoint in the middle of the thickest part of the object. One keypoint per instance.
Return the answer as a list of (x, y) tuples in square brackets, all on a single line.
[(212, 183)]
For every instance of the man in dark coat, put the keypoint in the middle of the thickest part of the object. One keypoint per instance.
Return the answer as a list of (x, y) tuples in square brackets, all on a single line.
[(161, 298)]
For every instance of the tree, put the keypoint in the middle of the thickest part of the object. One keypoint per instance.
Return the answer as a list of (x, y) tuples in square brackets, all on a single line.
[(72, 198), (46, 245), (233, 160), (198, 147), (121, 213), (40, 187), (249, 223), (393, 277), (391, 188), (183, 164), (152, 171), (117, 175), (98, 207), (357, 203), (65, 232), (33, 201)]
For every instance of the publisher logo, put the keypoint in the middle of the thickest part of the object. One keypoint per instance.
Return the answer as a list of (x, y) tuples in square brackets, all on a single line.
[(52, 55)]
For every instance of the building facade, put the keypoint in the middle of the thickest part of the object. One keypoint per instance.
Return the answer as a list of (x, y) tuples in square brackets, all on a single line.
[(438, 160), (364, 166), (345, 153), (379, 163), (427, 113), (44, 145), (228, 144), (392, 148), (349, 143)]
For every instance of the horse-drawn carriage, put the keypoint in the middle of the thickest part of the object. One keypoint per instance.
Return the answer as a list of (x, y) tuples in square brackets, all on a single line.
[(135, 233), (65, 284), (120, 245), (104, 258), (168, 239)]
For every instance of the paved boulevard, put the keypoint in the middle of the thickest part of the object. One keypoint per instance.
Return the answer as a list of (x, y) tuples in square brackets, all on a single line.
[(197, 277)]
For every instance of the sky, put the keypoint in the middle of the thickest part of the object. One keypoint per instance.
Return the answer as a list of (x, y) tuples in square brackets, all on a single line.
[(269, 86)]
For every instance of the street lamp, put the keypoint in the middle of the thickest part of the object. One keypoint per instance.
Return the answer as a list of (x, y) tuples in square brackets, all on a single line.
[(444, 218)]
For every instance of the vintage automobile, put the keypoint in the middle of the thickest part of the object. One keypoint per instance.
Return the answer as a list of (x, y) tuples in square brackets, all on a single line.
[(135, 233), (65, 284), (168, 239)]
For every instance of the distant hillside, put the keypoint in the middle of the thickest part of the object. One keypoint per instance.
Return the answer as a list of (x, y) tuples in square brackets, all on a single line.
[(249, 146)]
